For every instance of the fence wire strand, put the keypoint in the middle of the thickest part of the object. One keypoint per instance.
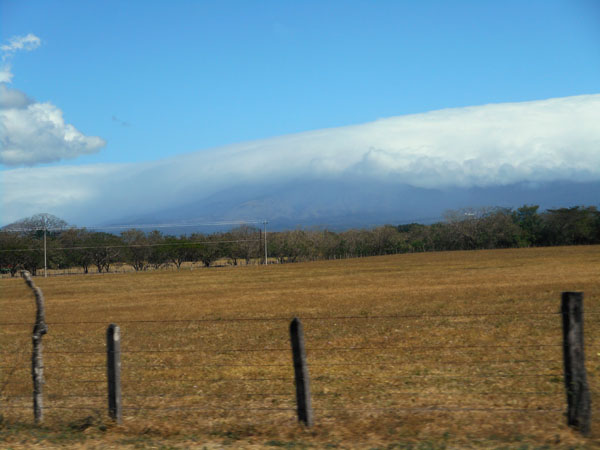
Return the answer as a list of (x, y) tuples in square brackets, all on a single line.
[(281, 349), (520, 314), (318, 380)]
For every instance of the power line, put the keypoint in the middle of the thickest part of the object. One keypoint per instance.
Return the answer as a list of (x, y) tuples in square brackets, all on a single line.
[(135, 226), (409, 221), (170, 244)]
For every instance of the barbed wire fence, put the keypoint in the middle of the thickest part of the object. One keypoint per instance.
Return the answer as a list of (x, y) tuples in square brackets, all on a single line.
[(208, 377)]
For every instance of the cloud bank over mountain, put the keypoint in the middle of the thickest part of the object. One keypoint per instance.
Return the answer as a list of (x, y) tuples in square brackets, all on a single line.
[(480, 147)]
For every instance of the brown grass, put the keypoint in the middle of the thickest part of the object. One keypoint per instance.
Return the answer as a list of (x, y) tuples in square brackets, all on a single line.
[(246, 398)]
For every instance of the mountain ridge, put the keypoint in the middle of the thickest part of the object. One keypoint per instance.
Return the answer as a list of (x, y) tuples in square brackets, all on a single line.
[(344, 204)]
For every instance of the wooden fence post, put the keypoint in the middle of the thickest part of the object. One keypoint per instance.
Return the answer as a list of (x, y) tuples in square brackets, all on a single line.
[(578, 393), (37, 364), (303, 400), (113, 369)]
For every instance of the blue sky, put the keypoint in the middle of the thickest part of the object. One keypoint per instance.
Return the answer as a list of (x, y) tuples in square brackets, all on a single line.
[(158, 78), (121, 105)]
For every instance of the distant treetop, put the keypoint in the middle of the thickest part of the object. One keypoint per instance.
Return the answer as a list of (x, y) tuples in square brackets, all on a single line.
[(37, 222)]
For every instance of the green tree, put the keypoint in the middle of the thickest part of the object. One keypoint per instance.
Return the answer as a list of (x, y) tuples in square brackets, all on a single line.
[(571, 226), (76, 252), (179, 250), (137, 250), (12, 252), (105, 249), (207, 248), (158, 252), (530, 222)]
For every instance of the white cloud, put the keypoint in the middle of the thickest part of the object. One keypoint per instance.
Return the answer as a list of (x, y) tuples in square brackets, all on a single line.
[(34, 133), (16, 43), (12, 98), (484, 146), (27, 43), (6, 75)]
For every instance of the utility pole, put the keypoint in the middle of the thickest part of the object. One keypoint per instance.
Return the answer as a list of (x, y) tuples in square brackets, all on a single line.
[(266, 256), (45, 259)]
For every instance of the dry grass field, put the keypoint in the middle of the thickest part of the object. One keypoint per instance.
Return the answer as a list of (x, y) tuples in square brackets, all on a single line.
[(207, 361)]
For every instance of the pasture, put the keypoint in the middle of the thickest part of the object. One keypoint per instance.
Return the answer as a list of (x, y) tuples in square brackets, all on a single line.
[(427, 350)]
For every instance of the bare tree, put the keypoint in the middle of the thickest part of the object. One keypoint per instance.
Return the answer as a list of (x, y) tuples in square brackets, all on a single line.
[(38, 222)]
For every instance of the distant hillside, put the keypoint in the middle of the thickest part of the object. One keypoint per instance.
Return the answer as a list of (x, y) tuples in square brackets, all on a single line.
[(343, 204)]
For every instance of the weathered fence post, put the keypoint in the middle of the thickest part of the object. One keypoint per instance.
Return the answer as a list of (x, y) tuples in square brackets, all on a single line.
[(37, 364), (578, 393), (113, 369), (303, 400)]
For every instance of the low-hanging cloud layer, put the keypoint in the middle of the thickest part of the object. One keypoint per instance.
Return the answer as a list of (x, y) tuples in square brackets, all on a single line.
[(33, 133), (481, 146)]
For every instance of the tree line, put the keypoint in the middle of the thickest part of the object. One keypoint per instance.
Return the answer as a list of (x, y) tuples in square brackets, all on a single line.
[(22, 243)]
